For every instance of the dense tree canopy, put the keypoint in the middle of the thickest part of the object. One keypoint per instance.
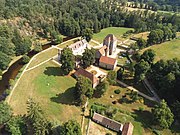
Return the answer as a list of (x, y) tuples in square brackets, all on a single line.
[(5, 112), (35, 115), (111, 77), (162, 114), (88, 57), (4, 60), (67, 60), (71, 128), (17, 126), (166, 78), (84, 88), (148, 56), (141, 69)]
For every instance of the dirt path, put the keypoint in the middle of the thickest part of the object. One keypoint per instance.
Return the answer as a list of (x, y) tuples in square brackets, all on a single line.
[(140, 93)]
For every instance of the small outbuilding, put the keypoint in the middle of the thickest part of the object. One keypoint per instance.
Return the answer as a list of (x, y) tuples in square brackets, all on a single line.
[(107, 122), (107, 62), (127, 129)]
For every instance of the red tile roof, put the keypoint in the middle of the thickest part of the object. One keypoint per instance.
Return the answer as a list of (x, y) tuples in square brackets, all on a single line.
[(127, 129), (107, 60), (107, 122), (87, 74)]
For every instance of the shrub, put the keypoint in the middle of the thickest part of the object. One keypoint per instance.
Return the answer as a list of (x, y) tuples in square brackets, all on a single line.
[(108, 134), (25, 59), (117, 91), (111, 77), (7, 91), (1, 72), (141, 109)]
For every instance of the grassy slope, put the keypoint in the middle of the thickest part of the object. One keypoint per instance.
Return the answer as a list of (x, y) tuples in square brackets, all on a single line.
[(167, 50), (48, 54), (53, 91), (117, 31), (43, 56)]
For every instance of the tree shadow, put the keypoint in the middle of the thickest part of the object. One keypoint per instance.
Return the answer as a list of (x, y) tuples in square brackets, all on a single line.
[(144, 117), (55, 71), (68, 97)]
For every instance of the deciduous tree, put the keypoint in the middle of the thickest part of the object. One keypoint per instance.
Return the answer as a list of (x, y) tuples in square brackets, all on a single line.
[(5, 113), (162, 115), (88, 57), (67, 60)]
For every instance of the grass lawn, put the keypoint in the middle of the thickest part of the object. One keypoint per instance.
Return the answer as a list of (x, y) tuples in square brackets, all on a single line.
[(117, 31), (54, 92), (62, 45), (143, 35), (167, 50), (43, 56)]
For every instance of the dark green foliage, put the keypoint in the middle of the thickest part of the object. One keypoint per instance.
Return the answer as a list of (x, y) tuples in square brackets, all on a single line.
[(141, 69), (6, 46), (88, 57), (102, 87), (108, 111), (148, 56), (141, 43), (4, 60), (120, 73), (87, 34), (5, 112), (23, 46), (111, 77), (162, 114), (166, 79), (25, 59), (37, 47), (16, 126), (84, 88), (134, 96), (67, 60), (167, 33), (117, 91), (155, 37), (176, 109), (55, 37), (71, 127), (35, 115)]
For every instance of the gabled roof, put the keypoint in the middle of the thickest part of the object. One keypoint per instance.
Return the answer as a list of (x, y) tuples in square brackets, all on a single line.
[(107, 122), (127, 129), (78, 44), (111, 37), (87, 74), (107, 60), (102, 50)]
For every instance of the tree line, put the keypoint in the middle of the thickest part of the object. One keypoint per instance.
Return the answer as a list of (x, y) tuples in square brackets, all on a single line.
[(70, 18), (34, 122)]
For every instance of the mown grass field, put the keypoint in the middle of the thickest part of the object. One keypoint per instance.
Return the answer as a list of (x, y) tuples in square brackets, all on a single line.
[(54, 92), (167, 50), (117, 31)]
